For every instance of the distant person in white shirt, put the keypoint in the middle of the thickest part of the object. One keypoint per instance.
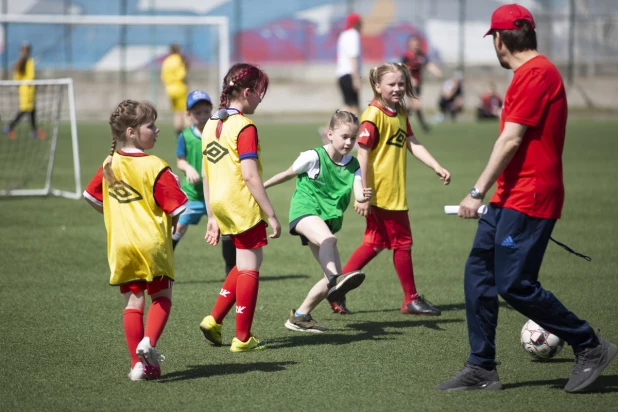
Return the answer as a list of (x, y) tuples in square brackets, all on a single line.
[(349, 62), (348, 67)]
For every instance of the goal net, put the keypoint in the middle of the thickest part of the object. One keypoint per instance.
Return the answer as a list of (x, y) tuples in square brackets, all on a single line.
[(38, 148), (132, 46)]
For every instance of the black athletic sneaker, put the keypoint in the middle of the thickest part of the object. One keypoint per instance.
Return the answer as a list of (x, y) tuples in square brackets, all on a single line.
[(342, 284), (304, 323), (589, 363), (470, 378), (420, 306)]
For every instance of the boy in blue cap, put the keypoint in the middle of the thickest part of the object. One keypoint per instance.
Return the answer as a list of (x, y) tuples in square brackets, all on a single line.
[(189, 160)]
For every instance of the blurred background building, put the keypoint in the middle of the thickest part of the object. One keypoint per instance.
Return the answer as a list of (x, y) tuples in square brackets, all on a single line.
[(295, 42)]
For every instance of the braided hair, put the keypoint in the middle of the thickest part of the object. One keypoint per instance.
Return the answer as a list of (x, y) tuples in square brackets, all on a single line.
[(239, 77), (129, 113)]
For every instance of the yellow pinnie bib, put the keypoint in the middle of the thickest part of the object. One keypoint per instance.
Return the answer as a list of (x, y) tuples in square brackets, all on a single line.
[(26, 92), (139, 245), (233, 205), (387, 176), (173, 73)]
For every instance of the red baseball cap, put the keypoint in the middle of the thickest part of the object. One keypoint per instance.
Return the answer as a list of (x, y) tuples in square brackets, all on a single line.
[(352, 20), (504, 17)]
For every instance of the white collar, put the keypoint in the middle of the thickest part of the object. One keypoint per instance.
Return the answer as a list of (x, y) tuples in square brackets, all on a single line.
[(132, 150)]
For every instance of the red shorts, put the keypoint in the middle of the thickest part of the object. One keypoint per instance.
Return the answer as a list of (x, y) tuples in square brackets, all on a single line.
[(157, 285), (253, 238), (388, 229)]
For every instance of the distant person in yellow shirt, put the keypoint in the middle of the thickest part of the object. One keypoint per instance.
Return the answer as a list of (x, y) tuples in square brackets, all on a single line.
[(173, 76), (23, 69)]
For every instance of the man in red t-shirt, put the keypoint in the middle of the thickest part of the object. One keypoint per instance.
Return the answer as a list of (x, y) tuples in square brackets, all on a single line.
[(526, 165)]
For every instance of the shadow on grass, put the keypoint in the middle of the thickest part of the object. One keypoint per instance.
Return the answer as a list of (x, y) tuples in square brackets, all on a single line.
[(550, 361), (372, 331), (208, 371), (603, 384), (374, 311), (262, 279), (453, 307), (379, 328), (462, 306)]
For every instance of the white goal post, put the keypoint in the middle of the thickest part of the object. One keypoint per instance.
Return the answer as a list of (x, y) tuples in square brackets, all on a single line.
[(27, 177), (43, 152), (221, 22)]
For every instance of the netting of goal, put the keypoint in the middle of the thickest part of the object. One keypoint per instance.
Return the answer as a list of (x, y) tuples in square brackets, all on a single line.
[(124, 43), (33, 165), (39, 153)]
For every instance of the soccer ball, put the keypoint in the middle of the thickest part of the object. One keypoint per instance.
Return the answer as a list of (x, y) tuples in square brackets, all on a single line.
[(538, 342)]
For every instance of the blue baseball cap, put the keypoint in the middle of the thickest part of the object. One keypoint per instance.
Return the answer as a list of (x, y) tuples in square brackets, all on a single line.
[(197, 96)]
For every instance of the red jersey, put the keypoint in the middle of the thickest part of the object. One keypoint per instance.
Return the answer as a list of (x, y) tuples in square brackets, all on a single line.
[(415, 62), (166, 191), (491, 101), (532, 182)]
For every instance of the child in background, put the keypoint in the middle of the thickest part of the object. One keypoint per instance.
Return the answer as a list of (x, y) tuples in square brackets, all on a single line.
[(490, 105), (140, 200), (236, 201), (384, 136), (189, 160), (326, 177), (23, 69), (174, 77)]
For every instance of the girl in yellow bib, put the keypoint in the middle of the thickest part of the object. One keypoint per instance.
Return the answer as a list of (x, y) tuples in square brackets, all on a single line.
[(24, 70), (141, 201), (236, 201), (384, 138), (174, 77)]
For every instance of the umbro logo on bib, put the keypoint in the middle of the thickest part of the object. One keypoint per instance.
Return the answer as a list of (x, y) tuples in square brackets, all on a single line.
[(398, 139), (215, 152), (124, 193)]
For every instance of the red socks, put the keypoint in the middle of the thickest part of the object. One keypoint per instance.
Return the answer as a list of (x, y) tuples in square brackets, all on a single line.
[(246, 299), (157, 318), (133, 321), (240, 288), (361, 256), (402, 258), (227, 296)]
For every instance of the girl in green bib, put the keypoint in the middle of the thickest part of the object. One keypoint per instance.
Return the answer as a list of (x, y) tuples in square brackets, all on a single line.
[(326, 177)]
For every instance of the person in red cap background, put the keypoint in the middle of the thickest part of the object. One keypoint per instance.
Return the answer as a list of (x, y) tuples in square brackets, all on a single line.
[(349, 62), (416, 60), (511, 239), (491, 103)]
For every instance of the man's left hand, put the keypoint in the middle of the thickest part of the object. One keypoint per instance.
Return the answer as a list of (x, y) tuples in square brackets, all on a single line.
[(468, 208)]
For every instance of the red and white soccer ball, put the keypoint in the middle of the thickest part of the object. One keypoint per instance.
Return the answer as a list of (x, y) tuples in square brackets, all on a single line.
[(538, 342)]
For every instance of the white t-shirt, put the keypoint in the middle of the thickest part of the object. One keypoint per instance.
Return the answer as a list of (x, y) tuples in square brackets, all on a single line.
[(309, 162), (348, 47)]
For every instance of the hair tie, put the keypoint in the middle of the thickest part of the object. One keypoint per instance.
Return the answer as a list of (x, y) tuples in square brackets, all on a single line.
[(231, 83), (222, 114)]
